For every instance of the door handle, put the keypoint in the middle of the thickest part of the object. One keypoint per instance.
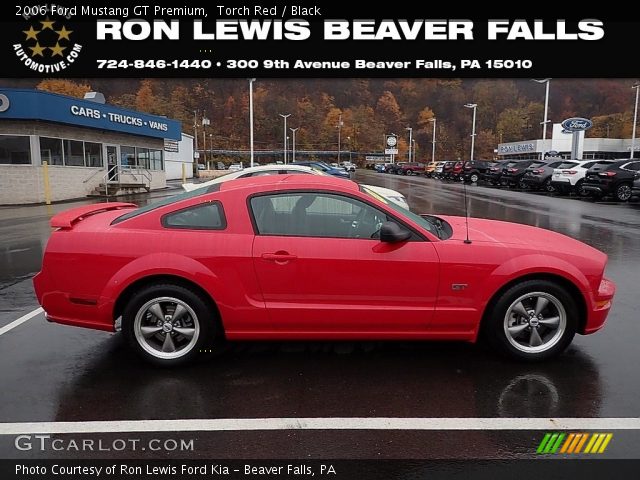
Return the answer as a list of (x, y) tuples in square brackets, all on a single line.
[(279, 256)]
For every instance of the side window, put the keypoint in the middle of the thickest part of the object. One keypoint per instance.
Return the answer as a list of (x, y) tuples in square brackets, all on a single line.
[(633, 166), (209, 216), (316, 215)]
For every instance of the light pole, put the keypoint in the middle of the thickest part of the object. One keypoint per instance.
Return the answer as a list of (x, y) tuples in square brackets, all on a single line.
[(635, 120), (433, 147), (251, 80), (350, 148), (339, 127), (285, 135), (410, 140), (205, 122), (210, 148), (413, 145), (293, 151), (546, 111), (473, 128), (195, 143)]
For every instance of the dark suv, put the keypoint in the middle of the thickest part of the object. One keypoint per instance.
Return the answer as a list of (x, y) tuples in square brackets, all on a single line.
[(474, 170), (513, 173), (494, 172), (612, 179), (538, 175)]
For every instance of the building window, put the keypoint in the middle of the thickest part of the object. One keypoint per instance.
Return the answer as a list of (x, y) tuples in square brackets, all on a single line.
[(93, 154), (155, 157), (15, 150), (127, 156), (51, 150), (73, 153), (142, 157)]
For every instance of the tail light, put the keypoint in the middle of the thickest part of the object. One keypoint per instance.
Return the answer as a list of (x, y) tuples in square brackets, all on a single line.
[(569, 172), (539, 171), (494, 169), (512, 170), (607, 174)]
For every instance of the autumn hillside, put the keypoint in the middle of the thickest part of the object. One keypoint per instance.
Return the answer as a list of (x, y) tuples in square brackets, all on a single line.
[(508, 110)]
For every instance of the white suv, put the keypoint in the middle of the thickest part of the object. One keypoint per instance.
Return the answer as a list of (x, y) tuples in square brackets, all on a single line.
[(569, 176)]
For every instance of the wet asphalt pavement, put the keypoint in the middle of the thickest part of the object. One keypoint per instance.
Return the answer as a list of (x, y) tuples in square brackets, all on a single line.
[(56, 373)]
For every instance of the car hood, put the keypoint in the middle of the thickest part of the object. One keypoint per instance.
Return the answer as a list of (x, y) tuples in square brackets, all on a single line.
[(516, 234)]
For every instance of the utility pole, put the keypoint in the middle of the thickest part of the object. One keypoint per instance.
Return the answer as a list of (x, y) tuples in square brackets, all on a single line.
[(293, 150), (251, 80), (339, 126), (285, 135), (474, 106)]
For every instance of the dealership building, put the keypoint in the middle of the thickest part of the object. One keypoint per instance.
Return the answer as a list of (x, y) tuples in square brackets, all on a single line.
[(560, 145), (54, 147)]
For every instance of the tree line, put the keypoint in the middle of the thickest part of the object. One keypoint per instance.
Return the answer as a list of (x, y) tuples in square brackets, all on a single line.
[(508, 109)]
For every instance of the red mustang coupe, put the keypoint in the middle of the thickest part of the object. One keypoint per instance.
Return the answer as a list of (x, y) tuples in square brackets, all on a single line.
[(307, 257)]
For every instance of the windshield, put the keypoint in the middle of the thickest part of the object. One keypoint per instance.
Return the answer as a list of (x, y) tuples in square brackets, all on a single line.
[(430, 224)]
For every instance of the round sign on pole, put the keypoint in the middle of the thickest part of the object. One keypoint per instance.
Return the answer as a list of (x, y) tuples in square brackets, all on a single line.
[(392, 141), (576, 124)]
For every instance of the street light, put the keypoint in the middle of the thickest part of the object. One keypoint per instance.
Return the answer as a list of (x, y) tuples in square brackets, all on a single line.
[(251, 80), (294, 130), (339, 127), (210, 149), (410, 141), (350, 148), (473, 128), (635, 120), (546, 110), (285, 135), (433, 148)]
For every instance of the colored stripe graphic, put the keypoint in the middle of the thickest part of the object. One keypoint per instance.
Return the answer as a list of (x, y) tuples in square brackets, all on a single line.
[(572, 443)]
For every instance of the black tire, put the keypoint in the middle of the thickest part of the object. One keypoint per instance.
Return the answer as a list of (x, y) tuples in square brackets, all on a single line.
[(474, 178), (409, 172), (623, 192), (548, 187), (522, 184), (200, 317), (495, 323), (581, 191)]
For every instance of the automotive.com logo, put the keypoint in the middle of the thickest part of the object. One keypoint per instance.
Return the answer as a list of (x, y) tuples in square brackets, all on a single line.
[(47, 45), (574, 443)]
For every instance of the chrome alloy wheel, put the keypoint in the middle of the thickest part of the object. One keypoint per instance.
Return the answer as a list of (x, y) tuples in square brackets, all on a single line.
[(535, 322), (166, 327)]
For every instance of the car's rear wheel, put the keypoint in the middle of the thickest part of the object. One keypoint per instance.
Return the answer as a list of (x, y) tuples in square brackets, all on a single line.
[(533, 320), (549, 188), (580, 189), (409, 172), (474, 178), (623, 192), (168, 324), (522, 184)]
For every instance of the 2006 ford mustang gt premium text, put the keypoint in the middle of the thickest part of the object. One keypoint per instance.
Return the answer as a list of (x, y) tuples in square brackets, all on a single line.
[(308, 257)]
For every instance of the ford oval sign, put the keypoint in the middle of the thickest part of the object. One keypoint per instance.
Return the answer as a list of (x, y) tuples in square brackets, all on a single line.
[(576, 124)]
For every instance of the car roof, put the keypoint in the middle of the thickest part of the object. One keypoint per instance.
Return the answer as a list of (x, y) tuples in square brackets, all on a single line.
[(291, 182)]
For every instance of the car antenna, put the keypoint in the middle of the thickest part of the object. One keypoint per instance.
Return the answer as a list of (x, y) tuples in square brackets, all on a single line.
[(466, 212)]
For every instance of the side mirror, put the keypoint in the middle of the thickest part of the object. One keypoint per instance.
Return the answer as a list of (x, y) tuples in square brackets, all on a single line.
[(391, 232)]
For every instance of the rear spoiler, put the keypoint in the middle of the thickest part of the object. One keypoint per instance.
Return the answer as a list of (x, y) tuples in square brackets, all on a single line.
[(67, 218)]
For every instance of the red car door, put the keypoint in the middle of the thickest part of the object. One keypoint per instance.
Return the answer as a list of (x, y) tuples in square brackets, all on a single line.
[(321, 272)]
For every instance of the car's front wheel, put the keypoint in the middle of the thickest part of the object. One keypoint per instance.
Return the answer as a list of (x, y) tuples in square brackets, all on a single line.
[(474, 178), (533, 320), (167, 324)]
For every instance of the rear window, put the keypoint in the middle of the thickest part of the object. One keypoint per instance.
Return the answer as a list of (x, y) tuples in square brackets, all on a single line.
[(567, 164), (166, 201), (537, 164), (511, 164)]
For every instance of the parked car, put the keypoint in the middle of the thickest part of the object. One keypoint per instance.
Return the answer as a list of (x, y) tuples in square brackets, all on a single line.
[(494, 172), (430, 169), (381, 167), (457, 171), (393, 168), (538, 175), (301, 257), (635, 189), (474, 170), (290, 169), (614, 178), (447, 170), (410, 168), (513, 173), (438, 172), (570, 176), (348, 166), (235, 167), (326, 168)]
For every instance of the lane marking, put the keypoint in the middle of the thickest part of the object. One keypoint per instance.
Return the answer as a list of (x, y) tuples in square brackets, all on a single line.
[(21, 320), (349, 423)]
